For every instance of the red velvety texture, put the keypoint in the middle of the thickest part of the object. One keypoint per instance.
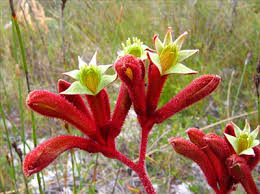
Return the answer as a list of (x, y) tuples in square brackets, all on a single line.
[(241, 172), (196, 137), (53, 105), (218, 145), (45, 153), (136, 86), (76, 100), (100, 107), (197, 90), (230, 168), (122, 107), (155, 86), (193, 152)]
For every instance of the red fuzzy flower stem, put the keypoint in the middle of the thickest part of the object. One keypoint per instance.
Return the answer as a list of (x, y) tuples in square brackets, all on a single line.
[(100, 107), (155, 85), (144, 139), (194, 153), (76, 100), (241, 172), (197, 90), (122, 107), (140, 171)]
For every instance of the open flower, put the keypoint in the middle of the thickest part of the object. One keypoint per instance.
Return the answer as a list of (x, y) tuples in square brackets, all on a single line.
[(222, 166), (168, 56), (244, 141), (90, 78), (137, 49)]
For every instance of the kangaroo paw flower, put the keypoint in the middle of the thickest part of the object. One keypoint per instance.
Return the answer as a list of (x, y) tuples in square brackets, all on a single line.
[(197, 90), (193, 152), (130, 71), (218, 145), (47, 152), (53, 105)]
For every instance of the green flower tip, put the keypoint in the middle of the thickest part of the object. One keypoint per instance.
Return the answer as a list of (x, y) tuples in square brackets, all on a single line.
[(90, 78), (135, 48), (245, 141), (168, 56)]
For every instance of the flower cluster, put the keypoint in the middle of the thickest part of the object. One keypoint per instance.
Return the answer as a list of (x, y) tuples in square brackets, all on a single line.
[(95, 119), (224, 161)]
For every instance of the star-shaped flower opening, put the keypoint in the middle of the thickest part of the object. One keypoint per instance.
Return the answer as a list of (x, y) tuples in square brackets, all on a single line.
[(135, 48), (245, 140), (91, 79), (168, 56)]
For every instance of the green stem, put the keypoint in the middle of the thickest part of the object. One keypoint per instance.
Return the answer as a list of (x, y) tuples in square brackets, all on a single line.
[(240, 83), (25, 68), (9, 147)]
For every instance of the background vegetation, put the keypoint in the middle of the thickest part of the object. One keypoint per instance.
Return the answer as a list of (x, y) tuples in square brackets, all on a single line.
[(226, 32)]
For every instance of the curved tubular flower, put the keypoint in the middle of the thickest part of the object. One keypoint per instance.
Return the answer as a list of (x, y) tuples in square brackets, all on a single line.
[(193, 152), (53, 105), (47, 152), (131, 71), (231, 167), (197, 90), (196, 136)]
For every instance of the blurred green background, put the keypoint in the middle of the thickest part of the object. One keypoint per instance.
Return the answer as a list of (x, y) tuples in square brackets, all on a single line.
[(225, 32)]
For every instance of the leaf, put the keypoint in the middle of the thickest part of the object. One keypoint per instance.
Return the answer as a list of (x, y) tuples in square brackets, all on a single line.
[(77, 88), (184, 54), (179, 69), (75, 74)]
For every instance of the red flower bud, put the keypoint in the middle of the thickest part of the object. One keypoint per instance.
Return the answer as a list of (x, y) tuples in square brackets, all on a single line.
[(196, 137), (197, 90), (47, 152), (131, 71), (193, 152), (218, 145), (53, 105)]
